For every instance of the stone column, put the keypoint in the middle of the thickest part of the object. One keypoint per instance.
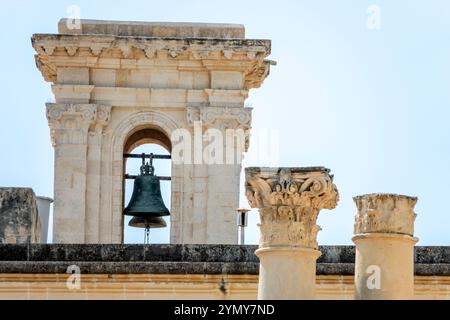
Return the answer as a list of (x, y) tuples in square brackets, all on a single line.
[(289, 201), (70, 124), (384, 229), (94, 175), (210, 185)]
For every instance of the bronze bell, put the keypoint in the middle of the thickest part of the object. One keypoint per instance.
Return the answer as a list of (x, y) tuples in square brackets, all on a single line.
[(147, 223), (146, 201)]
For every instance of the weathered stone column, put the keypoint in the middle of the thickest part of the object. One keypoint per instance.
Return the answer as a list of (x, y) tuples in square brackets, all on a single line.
[(384, 229), (289, 201), (70, 125), (214, 180)]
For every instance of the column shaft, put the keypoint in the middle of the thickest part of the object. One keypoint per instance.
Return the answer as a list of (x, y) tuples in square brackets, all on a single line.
[(69, 208), (295, 270), (384, 261)]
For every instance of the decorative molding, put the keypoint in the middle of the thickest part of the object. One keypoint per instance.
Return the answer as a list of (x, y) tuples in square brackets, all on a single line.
[(199, 54), (149, 53), (385, 213), (289, 202), (200, 48), (96, 50), (103, 114), (127, 51), (226, 98), (228, 54), (173, 54), (49, 49), (258, 72), (210, 116), (245, 55), (71, 50), (70, 123)]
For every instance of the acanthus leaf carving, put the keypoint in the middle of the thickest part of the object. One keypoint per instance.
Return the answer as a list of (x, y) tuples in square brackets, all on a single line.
[(71, 50), (289, 201), (70, 123), (149, 52), (173, 53), (49, 49), (96, 50), (209, 116), (127, 51), (385, 213)]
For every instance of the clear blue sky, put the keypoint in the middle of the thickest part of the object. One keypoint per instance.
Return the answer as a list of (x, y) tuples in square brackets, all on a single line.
[(372, 105)]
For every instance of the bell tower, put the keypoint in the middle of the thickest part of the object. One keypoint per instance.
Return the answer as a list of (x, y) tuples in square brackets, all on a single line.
[(184, 84)]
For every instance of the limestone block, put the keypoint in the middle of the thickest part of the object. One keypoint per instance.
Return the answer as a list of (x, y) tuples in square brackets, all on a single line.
[(201, 185), (154, 29), (72, 93), (226, 98), (227, 80), (186, 80), (164, 79), (201, 80), (200, 199), (103, 77), (70, 75), (166, 96), (138, 79), (19, 221)]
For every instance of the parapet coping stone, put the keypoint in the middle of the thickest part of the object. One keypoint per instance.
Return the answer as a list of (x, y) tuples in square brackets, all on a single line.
[(184, 259), (152, 29)]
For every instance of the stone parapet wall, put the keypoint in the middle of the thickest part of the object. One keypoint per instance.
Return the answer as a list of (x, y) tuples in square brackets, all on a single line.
[(185, 259), (196, 272)]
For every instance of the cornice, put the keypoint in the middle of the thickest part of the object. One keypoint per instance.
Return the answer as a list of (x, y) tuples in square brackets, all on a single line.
[(244, 55)]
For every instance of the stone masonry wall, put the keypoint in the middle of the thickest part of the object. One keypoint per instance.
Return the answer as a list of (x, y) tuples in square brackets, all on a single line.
[(19, 222)]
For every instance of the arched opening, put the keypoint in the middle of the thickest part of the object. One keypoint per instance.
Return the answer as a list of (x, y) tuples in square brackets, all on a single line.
[(147, 141)]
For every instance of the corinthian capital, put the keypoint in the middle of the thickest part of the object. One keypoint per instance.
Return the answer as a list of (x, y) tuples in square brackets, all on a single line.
[(385, 213), (230, 117), (289, 201), (70, 123)]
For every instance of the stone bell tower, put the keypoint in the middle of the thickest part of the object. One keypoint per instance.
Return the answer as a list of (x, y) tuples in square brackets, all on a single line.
[(121, 84)]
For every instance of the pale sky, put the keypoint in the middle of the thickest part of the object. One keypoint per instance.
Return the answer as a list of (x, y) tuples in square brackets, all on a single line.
[(371, 105)]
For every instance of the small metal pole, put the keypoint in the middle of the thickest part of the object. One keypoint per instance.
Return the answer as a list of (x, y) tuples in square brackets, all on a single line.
[(147, 235), (242, 219), (242, 235)]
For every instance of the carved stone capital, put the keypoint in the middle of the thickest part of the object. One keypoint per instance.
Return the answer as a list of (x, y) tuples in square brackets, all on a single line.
[(70, 123), (211, 116), (289, 201), (385, 213), (222, 118)]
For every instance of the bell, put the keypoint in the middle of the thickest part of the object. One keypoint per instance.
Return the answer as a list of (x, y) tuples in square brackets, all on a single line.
[(146, 201), (147, 223)]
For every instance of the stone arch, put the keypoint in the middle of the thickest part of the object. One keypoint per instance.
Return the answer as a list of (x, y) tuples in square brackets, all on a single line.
[(145, 120), (147, 135)]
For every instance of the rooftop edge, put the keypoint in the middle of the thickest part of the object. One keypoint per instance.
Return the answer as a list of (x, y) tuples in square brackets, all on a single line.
[(152, 29)]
